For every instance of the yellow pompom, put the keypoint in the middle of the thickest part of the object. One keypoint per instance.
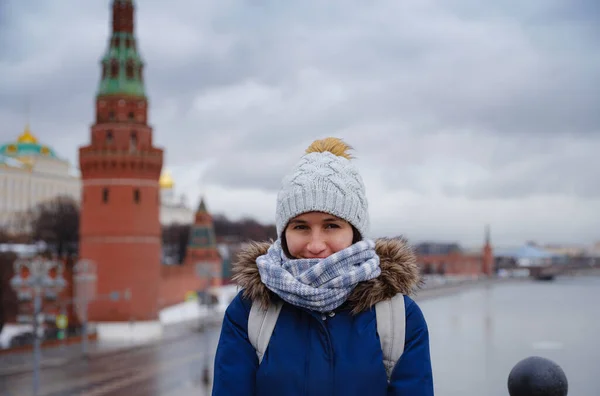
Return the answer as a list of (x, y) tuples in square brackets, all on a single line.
[(333, 145)]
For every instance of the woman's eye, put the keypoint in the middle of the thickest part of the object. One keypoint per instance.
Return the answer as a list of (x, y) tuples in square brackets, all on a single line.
[(300, 227), (332, 226)]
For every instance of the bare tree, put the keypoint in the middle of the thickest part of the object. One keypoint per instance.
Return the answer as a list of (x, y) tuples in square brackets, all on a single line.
[(56, 222), (244, 229), (175, 237), (175, 240), (4, 236), (8, 298)]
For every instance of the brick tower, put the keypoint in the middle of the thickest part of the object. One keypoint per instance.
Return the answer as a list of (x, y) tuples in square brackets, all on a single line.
[(202, 246), (488, 255), (120, 168)]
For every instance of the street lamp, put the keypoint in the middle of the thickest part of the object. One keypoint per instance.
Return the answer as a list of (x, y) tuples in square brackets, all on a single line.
[(85, 291), (37, 276), (205, 270)]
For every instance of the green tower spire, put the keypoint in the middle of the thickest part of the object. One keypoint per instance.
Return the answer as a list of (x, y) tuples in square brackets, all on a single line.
[(122, 65), (202, 206), (202, 234)]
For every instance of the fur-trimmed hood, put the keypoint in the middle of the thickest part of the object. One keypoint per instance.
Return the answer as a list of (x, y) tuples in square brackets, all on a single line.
[(399, 274)]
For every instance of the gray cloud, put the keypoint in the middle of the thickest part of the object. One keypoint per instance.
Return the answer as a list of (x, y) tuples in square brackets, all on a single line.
[(460, 98), (420, 73), (248, 170), (566, 168), (406, 62)]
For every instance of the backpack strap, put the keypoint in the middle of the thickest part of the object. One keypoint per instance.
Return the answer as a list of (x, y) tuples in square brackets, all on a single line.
[(261, 323), (391, 327)]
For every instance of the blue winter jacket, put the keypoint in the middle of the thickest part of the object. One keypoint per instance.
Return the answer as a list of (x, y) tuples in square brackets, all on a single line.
[(338, 353)]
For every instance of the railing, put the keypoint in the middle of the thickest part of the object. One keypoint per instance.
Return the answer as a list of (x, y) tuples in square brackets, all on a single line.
[(537, 376)]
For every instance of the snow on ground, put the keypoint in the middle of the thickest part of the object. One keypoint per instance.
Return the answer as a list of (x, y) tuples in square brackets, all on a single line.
[(179, 313), (190, 310), (11, 330)]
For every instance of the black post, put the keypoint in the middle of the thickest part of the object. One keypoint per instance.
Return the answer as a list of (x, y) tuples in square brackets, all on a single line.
[(537, 376)]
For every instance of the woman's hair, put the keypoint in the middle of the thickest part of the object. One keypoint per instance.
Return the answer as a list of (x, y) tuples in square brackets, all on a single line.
[(356, 237)]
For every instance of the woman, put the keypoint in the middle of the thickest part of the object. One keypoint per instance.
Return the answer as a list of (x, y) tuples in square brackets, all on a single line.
[(325, 282)]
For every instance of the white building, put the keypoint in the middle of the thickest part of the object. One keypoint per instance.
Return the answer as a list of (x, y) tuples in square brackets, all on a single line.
[(173, 209), (31, 173)]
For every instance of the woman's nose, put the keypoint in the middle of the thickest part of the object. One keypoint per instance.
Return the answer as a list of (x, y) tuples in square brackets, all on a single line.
[(316, 245)]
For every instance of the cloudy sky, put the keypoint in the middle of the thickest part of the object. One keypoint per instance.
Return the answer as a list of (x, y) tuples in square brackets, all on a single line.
[(461, 112)]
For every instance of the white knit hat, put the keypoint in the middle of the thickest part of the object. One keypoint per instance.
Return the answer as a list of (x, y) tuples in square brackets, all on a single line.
[(324, 180)]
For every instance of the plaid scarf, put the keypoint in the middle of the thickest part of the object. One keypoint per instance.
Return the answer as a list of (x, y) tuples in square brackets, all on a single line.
[(318, 284)]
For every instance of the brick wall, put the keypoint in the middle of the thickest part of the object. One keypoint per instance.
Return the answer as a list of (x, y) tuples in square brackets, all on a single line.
[(452, 264), (177, 280)]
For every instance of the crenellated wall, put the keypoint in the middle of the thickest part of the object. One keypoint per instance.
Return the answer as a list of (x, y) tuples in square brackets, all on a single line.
[(452, 264), (177, 280)]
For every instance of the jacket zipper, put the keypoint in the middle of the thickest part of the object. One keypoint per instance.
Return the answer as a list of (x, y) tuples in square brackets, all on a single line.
[(332, 386)]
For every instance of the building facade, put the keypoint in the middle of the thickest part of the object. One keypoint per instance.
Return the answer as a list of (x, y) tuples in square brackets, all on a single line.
[(173, 209), (30, 173), (451, 260)]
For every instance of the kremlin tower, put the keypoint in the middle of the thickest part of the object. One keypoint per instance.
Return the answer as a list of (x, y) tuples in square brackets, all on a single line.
[(120, 169), (488, 255), (202, 248), (203, 264)]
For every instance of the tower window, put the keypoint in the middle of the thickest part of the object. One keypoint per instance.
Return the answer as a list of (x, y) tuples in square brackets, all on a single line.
[(105, 195), (114, 69), (111, 115), (136, 195), (133, 140), (109, 137), (131, 115), (130, 70)]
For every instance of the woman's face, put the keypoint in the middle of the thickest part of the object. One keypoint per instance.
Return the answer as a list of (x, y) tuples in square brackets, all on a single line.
[(317, 235)]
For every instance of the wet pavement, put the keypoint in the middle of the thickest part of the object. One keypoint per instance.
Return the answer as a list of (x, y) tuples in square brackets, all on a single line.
[(477, 336), (173, 368)]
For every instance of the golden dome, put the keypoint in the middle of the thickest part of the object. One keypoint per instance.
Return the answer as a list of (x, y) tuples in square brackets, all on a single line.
[(166, 180), (27, 136)]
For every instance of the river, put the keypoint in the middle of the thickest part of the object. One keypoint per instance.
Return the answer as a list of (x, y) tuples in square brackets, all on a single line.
[(478, 335)]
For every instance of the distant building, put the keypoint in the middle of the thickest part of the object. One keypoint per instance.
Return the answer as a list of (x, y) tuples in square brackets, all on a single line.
[(528, 256), (173, 210), (451, 259), (30, 173), (594, 250), (575, 251)]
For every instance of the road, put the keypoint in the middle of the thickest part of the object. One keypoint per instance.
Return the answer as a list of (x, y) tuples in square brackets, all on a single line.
[(170, 368)]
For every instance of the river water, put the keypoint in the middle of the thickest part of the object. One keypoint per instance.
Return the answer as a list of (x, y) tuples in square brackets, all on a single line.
[(478, 335)]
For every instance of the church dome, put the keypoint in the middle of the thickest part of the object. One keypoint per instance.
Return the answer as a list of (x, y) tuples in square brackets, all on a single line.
[(166, 181), (26, 145), (27, 136)]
